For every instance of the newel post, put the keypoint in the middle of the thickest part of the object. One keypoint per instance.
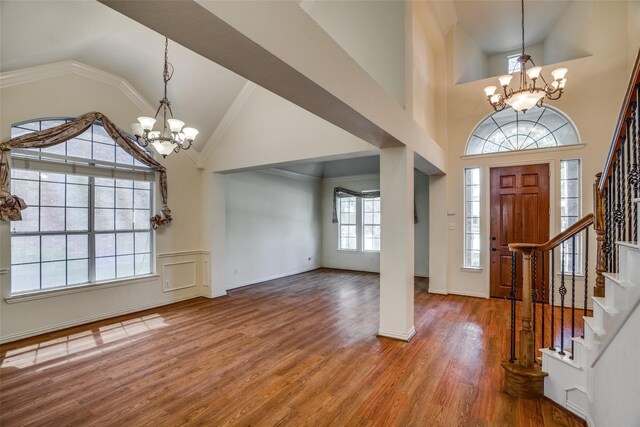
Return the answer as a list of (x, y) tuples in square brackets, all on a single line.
[(599, 226), (524, 377)]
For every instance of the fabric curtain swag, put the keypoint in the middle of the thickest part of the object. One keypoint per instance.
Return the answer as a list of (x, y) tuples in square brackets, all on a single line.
[(11, 205), (339, 192)]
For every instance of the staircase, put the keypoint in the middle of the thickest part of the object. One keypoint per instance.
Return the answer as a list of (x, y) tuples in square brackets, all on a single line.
[(588, 360), (570, 380)]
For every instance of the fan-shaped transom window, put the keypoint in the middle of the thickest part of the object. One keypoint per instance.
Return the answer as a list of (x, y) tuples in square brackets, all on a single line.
[(508, 130)]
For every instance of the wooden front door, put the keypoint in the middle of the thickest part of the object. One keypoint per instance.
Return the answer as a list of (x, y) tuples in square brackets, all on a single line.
[(519, 214)]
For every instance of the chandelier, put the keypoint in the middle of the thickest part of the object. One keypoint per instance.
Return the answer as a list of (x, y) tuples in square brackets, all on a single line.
[(531, 93), (174, 136)]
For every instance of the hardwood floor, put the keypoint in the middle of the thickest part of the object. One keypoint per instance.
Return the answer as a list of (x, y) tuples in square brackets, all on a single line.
[(296, 351)]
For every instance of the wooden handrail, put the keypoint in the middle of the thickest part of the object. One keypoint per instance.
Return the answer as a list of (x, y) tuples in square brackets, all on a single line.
[(576, 228), (621, 129)]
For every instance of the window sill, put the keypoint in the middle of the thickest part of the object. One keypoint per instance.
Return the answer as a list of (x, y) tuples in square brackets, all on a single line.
[(568, 274), (472, 269), (36, 295)]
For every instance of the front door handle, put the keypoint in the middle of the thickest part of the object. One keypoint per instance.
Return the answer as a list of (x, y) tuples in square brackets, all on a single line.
[(493, 249)]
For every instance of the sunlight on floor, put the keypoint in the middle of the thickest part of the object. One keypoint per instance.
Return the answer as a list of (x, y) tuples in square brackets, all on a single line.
[(113, 336)]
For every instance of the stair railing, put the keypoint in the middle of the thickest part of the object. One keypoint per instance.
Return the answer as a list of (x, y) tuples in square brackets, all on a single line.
[(615, 218), (524, 377), (618, 186)]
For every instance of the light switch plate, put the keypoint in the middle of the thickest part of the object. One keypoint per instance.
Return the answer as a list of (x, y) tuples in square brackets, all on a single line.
[(451, 211), (452, 226)]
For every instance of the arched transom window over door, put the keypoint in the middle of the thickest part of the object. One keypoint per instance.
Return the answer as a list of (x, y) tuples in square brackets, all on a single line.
[(508, 130)]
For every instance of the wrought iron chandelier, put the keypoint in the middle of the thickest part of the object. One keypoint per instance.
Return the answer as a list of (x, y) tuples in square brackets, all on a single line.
[(174, 136), (529, 94)]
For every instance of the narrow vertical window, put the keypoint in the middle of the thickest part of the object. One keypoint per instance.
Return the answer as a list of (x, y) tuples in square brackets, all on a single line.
[(472, 218), (512, 63), (570, 203), (347, 229), (371, 224)]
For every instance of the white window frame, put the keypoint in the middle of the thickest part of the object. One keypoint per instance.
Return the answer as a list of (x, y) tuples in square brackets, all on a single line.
[(512, 67), (574, 218), (43, 162), (467, 216), (342, 223), (372, 224)]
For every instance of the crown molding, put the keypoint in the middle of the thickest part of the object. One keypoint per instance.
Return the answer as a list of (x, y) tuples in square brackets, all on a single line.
[(226, 122), (56, 69), (372, 176), (289, 174)]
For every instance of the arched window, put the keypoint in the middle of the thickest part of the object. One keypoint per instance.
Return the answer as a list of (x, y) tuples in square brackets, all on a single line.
[(508, 130), (87, 221)]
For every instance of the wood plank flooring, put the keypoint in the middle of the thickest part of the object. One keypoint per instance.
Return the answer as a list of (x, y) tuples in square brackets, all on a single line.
[(296, 351)]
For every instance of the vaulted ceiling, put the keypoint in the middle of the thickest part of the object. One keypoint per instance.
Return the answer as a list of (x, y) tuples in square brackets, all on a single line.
[(42, 32)]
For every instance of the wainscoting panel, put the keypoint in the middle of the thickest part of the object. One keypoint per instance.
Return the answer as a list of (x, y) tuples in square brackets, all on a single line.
[(178, 275)]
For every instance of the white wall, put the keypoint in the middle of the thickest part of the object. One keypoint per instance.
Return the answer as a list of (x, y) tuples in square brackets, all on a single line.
[(177, 246), (616, 379), (572, 37), (370, 261), (273, 226), (469, 61), (372, 33), (269, 130)]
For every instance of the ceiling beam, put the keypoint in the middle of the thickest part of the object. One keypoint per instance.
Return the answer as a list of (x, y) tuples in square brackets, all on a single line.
[(278, 46)]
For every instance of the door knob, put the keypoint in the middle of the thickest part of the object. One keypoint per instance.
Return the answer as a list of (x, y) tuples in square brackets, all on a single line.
[(493, 238), (493, 249)]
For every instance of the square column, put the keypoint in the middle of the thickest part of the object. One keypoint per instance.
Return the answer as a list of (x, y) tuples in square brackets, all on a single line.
[(215, 230), (396, 243)]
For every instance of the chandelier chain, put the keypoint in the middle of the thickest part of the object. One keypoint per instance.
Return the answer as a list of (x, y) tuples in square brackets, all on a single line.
[(522, 9)]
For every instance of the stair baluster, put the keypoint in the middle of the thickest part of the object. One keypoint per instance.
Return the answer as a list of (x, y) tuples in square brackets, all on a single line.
[(553, 298), (512, 296), (573, 292), (563, 292)]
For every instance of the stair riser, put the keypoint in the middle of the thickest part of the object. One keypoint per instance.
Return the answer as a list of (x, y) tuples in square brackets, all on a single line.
[(629, 264)]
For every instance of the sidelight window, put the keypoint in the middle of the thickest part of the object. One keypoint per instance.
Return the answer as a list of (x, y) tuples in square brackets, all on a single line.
[(472, 218), (570, 202)]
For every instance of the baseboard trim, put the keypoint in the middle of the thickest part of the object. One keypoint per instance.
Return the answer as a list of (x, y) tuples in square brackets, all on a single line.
[(273, 277), (468, 294), (437, 291), (221, 294), (398, 336), (64, 325)]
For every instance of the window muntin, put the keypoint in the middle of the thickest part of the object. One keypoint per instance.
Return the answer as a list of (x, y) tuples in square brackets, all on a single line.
[(472, 218), (570, 203), (347, 228), (508, 130), (513, 66), (71, 234), (371, 224)]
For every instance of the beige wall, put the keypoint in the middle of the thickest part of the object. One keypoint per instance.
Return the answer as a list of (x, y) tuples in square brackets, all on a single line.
[(426, 97), (72, 95), (592, 100)]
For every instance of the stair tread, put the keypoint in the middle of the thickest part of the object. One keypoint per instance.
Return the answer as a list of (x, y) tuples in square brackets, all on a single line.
[(590, 322), (602, 302), (630, 244), (615, 278), (566, 358)]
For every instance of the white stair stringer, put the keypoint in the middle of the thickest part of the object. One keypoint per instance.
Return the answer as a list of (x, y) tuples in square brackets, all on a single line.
[(570, 382)]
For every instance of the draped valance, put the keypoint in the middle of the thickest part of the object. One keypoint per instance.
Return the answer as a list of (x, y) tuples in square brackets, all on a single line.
[(12, 205), (339, 192)]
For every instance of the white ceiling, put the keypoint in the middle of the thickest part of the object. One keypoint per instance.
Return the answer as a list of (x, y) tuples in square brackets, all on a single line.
[(40, 32), (495, 25)]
